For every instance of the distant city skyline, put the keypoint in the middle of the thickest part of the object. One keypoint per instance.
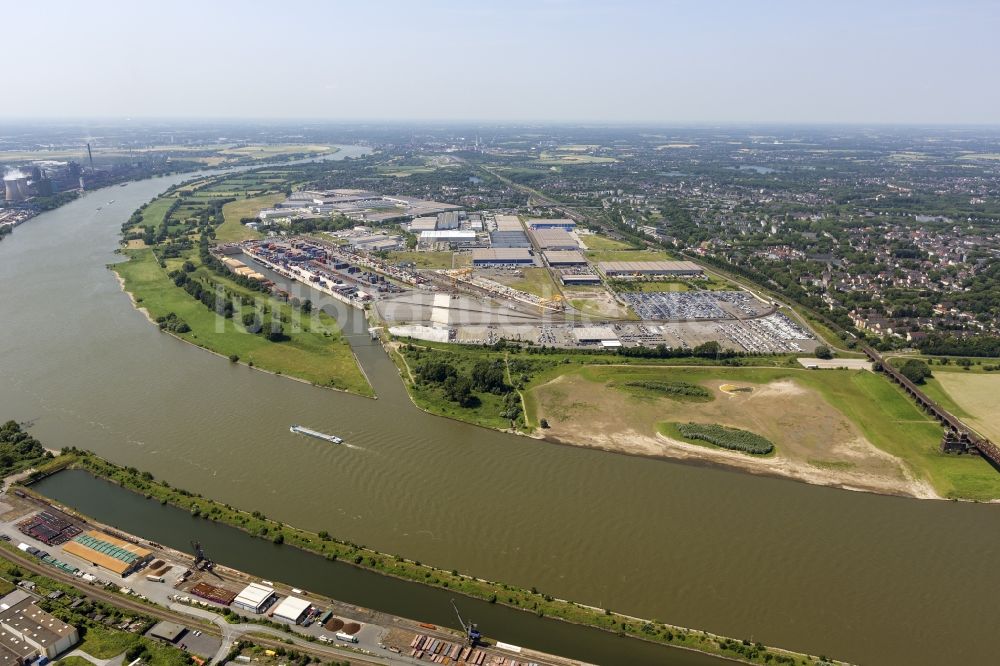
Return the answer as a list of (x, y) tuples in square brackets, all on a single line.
[(551, 61)]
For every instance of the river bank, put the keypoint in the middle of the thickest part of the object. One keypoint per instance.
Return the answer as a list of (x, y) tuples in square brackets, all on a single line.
[(846, 429), (531, 601), (649, 538), (180, 285)]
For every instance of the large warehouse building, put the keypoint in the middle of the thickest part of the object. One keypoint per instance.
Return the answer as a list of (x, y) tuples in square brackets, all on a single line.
[(451, 236), (555, 223), (554, 239), (565, 258), (502, 256), (602, 335), (255, 598), (509, 223), (291, 609), (45, 633), (107, 552), (641, 269), (509, 239)]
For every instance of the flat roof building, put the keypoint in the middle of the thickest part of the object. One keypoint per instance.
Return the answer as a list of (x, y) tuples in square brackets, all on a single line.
[(14, 651), (170, 632), (451, 236), (423, 224), (39, 629), (592, 334), (291, 609), (108, 552), (509, 223), (254, 598), (500, 256), (555, 239), (583, 279), (447, 220), (509, 239), (564, 258), (628, 269), (554, 223)]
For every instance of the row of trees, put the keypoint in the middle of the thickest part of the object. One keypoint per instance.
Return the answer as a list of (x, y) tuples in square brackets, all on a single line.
[(18, 449)]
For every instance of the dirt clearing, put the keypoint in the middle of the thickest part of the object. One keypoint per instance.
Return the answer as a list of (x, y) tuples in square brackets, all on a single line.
[(814, 441)]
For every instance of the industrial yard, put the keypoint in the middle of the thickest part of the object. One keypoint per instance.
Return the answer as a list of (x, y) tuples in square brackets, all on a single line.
[(514, 278), (194, 585)]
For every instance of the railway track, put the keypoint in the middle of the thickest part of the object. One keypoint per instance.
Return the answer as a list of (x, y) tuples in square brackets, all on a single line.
[(161, 613)]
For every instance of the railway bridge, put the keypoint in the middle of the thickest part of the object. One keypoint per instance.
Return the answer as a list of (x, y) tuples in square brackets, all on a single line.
[(958, 437)]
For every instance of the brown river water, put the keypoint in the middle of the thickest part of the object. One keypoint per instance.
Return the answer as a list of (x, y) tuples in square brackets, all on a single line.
[(866, 578)]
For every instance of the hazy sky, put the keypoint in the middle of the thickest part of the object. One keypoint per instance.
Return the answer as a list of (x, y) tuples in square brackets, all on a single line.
[(556, 60)]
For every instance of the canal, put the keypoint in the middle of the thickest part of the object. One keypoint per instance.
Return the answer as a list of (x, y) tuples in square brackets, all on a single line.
[(176, 528), (861, 577)]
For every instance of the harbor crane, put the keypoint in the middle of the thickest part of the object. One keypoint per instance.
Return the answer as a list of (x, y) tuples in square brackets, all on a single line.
[(471, 629), (201, 562)]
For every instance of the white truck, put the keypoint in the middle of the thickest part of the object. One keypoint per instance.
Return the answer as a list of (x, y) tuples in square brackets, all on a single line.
[(347, 638)]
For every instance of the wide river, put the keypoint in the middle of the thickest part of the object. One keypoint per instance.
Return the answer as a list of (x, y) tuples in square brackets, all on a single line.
[(878, 580)]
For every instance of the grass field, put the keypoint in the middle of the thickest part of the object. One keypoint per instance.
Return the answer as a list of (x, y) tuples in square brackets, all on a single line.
[(977, 397), (153, 214), (231, 230), (74, 661), (423, 259), (316, 352), (824, 419), (106, 643), (596, 242), (537, 281)]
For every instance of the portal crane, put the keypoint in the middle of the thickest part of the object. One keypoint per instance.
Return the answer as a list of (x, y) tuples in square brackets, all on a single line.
[(201, 562), (471, 629)]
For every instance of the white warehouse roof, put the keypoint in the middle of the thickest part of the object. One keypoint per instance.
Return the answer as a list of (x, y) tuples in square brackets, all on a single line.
[(291, 609), (253, 595), (594, 333), (448, 233)]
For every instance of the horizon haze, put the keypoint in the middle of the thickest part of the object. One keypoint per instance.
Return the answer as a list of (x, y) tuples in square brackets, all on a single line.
[(553, 61)]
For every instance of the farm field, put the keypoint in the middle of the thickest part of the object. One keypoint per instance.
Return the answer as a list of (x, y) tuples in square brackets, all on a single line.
[(976, 394), (316, 353), (231, 230), (834, 427)]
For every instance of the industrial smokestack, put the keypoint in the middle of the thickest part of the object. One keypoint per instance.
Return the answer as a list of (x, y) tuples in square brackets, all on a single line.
[(90, 156)]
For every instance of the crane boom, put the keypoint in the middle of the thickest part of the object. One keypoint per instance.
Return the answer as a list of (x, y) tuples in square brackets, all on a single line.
[(471, 629)]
